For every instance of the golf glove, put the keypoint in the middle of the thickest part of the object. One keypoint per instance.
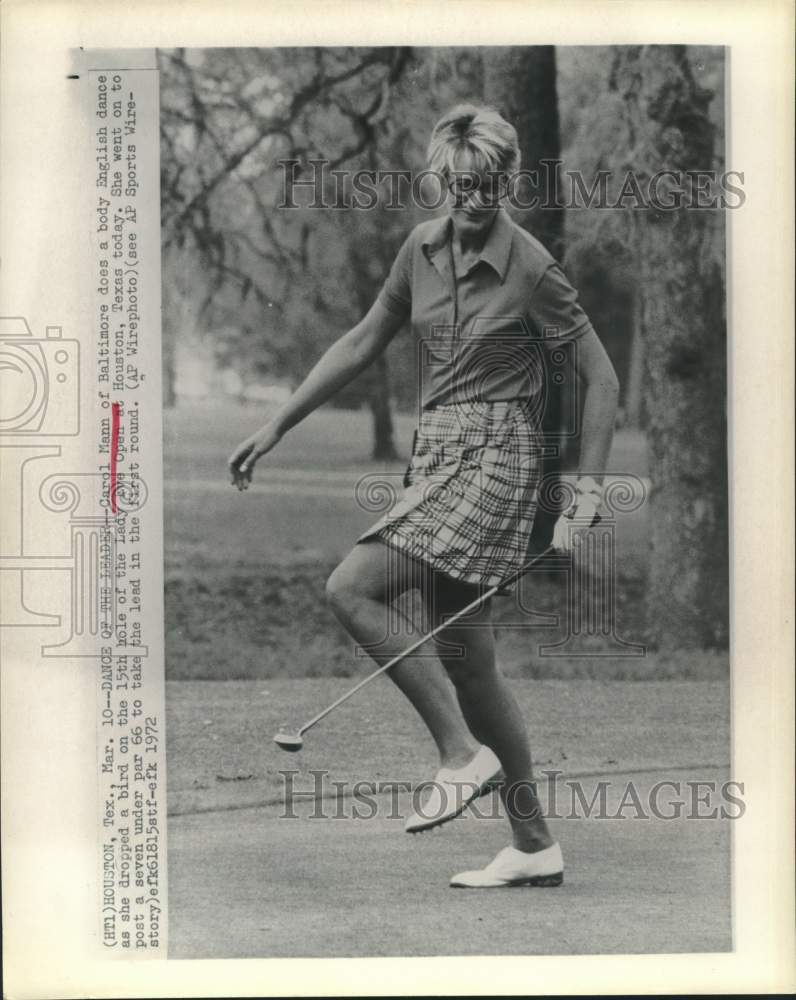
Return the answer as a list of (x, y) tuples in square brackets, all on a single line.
[(582, 514)]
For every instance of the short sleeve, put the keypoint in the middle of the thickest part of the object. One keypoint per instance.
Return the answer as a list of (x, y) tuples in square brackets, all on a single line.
[(396, 292), (554, 311)]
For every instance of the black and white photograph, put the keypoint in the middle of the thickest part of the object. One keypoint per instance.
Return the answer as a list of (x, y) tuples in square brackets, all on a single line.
[(396, 466), (446, 536)]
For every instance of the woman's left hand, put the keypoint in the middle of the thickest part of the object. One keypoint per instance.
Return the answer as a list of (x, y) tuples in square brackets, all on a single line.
[(570, 527)]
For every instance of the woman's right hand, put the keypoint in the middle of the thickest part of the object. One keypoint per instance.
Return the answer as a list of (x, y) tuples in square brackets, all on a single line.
[(244, 457)]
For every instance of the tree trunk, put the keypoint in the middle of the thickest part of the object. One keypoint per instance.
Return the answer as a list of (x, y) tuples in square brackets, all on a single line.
[(680, 255), (520, 82), (634, 388), (169, 369), (172, 321), (379, 399)]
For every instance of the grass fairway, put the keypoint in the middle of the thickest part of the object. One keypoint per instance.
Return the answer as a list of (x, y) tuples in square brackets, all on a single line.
[(221, 752), (245, 572)]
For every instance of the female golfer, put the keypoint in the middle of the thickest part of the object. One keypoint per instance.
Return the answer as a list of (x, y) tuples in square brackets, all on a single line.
[(484, 299)]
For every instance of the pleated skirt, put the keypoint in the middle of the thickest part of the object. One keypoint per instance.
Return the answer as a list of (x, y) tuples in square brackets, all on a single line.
[(470, 491)]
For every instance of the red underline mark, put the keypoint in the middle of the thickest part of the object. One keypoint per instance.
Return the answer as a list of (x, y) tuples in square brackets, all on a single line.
[(116, 409)]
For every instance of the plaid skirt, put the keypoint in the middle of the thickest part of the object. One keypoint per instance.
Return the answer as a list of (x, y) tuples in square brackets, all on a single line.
[(470, 491)]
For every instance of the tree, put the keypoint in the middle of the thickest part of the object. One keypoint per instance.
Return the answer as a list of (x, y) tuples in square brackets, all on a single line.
[(667, 126), (228, 117), (520, 82)]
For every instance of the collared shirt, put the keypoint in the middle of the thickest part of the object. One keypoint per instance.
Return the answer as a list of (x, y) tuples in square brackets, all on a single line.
[(480, 335)]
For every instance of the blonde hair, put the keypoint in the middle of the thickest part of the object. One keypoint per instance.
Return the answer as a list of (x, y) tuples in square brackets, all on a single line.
[(469, 137)]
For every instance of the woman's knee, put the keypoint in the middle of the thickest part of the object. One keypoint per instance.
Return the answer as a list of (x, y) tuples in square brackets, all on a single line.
[(353, 581), (341, 590)]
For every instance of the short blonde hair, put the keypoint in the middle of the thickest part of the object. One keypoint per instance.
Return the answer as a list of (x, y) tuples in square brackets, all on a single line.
[(469, 137)]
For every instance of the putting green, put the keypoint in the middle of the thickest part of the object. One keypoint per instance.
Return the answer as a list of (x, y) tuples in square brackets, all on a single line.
[(246, 881)]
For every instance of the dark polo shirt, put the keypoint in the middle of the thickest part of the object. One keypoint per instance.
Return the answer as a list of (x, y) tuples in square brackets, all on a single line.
[(480, 336)]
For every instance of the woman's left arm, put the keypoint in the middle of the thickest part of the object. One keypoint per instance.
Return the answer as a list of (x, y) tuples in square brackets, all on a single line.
[(600, 386), (598, 382), (554, 312)]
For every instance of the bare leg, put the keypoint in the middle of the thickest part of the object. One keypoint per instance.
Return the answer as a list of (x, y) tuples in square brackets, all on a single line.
[(360, 591), (489, 707)]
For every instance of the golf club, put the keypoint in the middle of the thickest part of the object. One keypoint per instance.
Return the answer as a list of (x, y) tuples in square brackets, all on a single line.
[(293, 742)]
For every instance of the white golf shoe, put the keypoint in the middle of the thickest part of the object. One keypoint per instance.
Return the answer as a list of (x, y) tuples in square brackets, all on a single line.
[(513, 867), (452, 790)]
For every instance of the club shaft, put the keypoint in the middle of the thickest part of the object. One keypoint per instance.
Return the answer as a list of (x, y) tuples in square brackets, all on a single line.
[(425, 638)]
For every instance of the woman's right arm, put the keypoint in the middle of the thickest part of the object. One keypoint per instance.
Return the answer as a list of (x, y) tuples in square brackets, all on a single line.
[(342, 362)]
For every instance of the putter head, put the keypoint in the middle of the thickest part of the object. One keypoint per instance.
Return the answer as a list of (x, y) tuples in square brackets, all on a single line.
[(291, 742)]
